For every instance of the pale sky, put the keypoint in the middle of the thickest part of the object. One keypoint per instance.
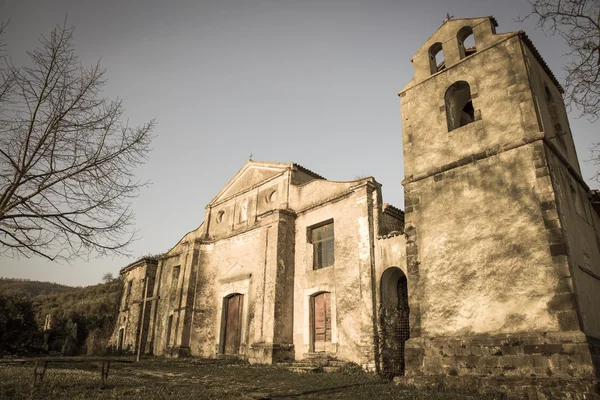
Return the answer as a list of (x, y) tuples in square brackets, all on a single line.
[(313, 82)]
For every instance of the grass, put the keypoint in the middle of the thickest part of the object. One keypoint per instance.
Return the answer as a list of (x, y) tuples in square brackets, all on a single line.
[(159, 378)]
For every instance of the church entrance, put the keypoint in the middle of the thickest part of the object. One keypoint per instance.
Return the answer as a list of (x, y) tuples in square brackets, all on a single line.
[(393, 321), (321, 322), (232, 328)]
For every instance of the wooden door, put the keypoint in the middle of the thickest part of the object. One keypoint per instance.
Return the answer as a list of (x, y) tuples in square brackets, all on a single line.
[(322, 322), (233, 324)]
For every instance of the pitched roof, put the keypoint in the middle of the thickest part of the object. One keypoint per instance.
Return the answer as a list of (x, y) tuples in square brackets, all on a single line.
[(255, 172)]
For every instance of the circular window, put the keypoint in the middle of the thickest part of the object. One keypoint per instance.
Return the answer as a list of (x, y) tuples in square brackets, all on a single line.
[(271, 196), (220, 215)]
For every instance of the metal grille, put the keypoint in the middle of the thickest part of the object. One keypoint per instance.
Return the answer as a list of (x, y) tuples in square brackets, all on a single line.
[(395, 331)]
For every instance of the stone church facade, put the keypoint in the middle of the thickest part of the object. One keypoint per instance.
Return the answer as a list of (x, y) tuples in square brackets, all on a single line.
[(492, 270), (284, 265)]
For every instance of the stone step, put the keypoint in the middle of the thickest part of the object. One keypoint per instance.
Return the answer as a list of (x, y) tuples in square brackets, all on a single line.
[(336, 363), (320, 356), (303, 366), (304, 370)]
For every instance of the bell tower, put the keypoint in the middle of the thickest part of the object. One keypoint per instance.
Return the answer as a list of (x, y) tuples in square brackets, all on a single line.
[(502, 250)]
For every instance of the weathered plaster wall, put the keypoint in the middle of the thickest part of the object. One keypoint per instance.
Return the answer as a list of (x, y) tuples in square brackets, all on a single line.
[(232, 265), (239, 212), (484, 35), (315, 192), (504, 110), (390, 251), (350, 279), (491, 287), (486, 264)]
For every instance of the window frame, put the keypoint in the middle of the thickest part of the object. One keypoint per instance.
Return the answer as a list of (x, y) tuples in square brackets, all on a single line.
[(319, 246)]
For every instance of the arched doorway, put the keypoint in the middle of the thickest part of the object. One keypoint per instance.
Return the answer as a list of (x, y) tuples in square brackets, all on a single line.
[(393, 321), (231, 332)]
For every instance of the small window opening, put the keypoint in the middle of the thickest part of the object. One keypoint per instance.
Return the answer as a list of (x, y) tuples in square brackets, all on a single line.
[(459, 105), (548, 94), (436, 58), (128, 293), (220, 216), (466, 42), (244, 211), (174, 284)]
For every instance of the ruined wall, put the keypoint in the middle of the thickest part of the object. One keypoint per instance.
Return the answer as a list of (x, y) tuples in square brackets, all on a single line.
[(130, 308), (168, 288)]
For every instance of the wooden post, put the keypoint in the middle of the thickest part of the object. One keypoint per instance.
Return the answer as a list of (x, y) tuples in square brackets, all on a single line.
[(37, 363), (37, 373), (104, 373), (142, 318)]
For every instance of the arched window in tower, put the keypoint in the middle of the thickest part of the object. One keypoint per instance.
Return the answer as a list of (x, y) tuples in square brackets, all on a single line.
[(459, 105), (436, 58), (466, 42)]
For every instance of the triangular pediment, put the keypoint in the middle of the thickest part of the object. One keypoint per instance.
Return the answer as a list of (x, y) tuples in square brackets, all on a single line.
[(251, 174)]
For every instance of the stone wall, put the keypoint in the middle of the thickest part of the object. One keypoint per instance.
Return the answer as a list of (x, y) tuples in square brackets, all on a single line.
[(139, 275), (492, 284)]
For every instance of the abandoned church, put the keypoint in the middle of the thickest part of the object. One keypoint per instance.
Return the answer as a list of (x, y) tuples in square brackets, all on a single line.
[(492, 269)]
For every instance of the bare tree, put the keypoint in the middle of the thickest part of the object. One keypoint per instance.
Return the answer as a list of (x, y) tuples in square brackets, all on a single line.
[(108, 277), (66, 160), (578, 22)]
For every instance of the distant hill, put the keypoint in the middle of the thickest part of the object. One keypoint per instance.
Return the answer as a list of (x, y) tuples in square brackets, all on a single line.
[(25, 304), (30, 288), (95, 306)]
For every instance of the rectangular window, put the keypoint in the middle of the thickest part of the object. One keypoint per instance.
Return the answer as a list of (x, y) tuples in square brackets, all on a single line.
[(128, 293), (321, 237), (174, 283)]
